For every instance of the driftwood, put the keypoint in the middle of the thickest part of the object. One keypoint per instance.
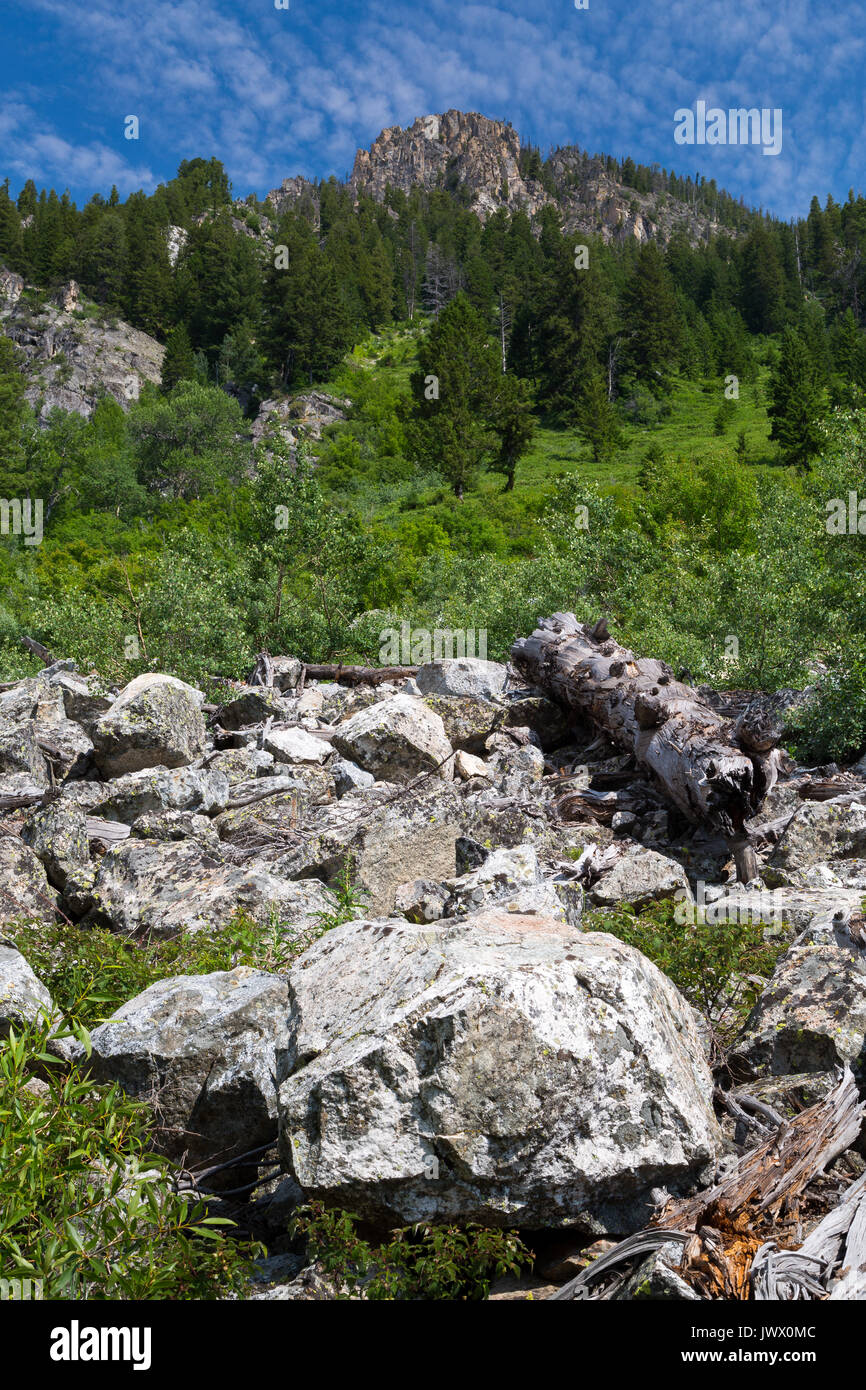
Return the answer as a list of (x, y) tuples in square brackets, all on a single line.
[(21, 800), (715, 771), (724, 1230), (109, 832), (835, 1249)]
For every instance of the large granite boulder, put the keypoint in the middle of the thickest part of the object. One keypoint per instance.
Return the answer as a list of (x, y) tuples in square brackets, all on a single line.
[(506, 1069), (25, 893), (464, 675), (23, 998), (818, 845), (57, 834), (381, 842), (164, 887), (205, 1052), (811, 1016), (640, 877)]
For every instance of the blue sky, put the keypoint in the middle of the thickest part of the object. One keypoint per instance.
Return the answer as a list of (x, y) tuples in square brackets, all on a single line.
[(278, 92)]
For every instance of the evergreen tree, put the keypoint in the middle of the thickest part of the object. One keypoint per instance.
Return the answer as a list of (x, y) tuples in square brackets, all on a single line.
[(796, 402), (178, 364), (763, 282), (651, 318), (453, 395), (12, 416), (10, 230), (596, 419), (513, 425)]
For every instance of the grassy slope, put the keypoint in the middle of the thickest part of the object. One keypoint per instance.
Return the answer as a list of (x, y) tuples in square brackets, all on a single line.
[(688, 431)]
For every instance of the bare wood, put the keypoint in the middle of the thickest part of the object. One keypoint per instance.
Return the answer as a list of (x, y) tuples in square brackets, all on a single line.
[(263, 671), (359, 675), (690, 750), (111, 832), (45, 656), (21, 800)]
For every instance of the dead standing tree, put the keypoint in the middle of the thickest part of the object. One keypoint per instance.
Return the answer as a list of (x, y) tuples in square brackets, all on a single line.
[(715, 771)]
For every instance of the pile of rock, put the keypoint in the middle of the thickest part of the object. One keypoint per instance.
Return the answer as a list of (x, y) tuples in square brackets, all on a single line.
[(464, 1051)]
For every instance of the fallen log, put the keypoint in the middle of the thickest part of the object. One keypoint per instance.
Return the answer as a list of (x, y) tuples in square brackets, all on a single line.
[(20, 801), (359, 675), (37, 649), (705, 764)]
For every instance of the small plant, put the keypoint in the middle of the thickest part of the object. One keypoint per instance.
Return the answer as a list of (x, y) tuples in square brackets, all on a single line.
[(84, 1206), (349, 901), (418, 1262)]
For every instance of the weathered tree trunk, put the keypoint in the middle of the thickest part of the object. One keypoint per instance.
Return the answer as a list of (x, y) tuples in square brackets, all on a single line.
[(360, 675), (705, 767)]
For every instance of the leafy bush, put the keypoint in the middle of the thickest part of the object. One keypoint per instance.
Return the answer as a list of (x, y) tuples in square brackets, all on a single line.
[(831, 726), (90, 971), (418, 1262), (84, 1206), (720, 966)]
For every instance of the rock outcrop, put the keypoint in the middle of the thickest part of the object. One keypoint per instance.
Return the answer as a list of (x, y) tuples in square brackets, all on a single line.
[(73, 353)]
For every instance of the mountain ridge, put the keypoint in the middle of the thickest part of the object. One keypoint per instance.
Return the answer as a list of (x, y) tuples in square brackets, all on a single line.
[(483, 162)]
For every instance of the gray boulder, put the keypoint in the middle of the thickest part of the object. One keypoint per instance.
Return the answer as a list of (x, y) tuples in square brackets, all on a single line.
[(156, 721), (816, 844), (641, 876), (165, 887), (296, 745), (384, 843), (25, 893), (512, 880), (397, 740), (23, 998), (464, 675), (205, 1052), (57, 834), (811, 1016), (506, 1069), (252, 705), (156, 789)]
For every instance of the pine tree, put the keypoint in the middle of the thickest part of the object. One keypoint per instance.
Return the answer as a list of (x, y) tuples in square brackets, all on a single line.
[(763, 282), (796, 402), (178, 364), (513, 424), (10, 230), (652, 319), (454, 393), (12, 414), (596, 419)]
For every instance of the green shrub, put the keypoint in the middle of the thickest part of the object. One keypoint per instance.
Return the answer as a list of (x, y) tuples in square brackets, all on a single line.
[(418, 1262), (831, 727), (84, 1206), (720, 966)]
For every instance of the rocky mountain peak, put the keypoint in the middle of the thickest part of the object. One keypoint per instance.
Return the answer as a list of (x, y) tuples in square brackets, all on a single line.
[(450, 150)]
